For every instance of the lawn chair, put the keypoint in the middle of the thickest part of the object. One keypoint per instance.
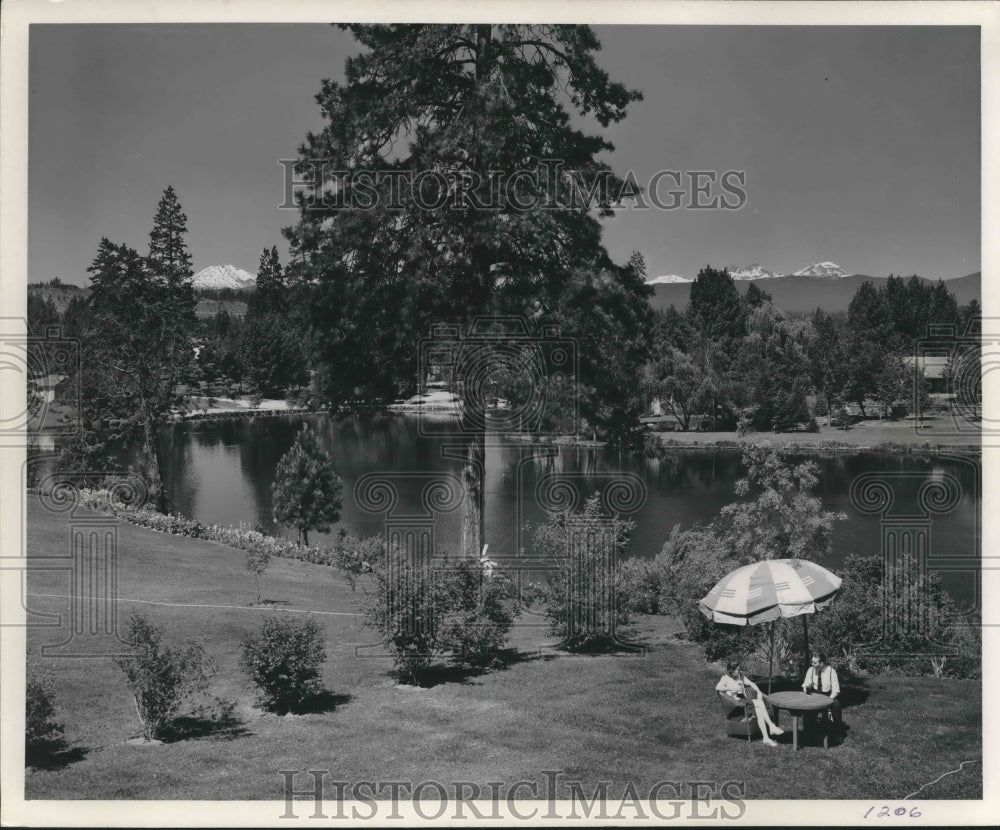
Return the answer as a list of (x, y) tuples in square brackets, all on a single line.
[(741, 720)]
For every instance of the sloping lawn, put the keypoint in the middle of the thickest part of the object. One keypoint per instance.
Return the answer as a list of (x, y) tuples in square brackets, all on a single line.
[(631, 718)]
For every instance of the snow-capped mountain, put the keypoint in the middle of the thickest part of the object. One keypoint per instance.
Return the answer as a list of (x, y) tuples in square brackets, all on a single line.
[(669, 278), (822, 269), (754, 272), (223, 276)]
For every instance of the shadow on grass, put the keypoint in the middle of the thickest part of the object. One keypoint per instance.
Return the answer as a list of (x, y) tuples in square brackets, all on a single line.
[(464, 673), (854, 689), (438, 673), (317, 703), (320, 702), (604, 646), (52, 753), (193, 727)]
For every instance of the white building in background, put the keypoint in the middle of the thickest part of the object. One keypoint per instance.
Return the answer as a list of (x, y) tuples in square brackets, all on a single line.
[(45, 386)]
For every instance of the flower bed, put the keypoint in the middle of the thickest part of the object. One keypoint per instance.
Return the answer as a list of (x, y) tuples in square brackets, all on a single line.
[(350, 554)]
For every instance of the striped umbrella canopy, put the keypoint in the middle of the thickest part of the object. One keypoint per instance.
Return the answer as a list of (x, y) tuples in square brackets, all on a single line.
[(769, 590)]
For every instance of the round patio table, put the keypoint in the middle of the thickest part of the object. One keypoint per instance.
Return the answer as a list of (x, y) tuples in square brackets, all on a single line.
[(797, 704)]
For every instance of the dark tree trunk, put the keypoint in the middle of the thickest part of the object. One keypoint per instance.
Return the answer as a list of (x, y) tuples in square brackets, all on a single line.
[(151, 467), (473, 474)]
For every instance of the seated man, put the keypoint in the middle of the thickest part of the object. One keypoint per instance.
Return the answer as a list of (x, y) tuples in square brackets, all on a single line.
[(739, 688), (821, 678)]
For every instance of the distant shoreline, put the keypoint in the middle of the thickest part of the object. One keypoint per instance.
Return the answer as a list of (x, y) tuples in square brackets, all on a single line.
[(935, 436)]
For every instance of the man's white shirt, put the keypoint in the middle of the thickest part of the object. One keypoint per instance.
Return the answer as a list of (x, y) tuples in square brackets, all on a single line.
[(828, 682)]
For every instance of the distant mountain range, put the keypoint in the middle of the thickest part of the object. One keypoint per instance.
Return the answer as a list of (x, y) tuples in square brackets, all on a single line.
[(822, 285), (223, 276), (741, 273)]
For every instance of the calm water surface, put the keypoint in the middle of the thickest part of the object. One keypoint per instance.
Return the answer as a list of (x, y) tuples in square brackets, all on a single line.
[(221, 472)]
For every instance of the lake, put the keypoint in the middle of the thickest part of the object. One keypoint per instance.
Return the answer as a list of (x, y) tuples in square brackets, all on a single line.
[(220, 472)]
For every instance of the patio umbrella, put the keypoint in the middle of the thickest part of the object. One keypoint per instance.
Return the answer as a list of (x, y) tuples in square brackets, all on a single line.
[(769, 590)]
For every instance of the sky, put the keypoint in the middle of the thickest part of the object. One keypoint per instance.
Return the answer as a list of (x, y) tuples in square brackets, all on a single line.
[(860, 145)]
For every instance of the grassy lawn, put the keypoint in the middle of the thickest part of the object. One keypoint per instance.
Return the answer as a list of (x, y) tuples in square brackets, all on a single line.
[(939, 431), (643, 718)]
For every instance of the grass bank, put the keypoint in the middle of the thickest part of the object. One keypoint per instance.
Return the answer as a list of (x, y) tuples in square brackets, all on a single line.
[(939, 435), (630, 718)]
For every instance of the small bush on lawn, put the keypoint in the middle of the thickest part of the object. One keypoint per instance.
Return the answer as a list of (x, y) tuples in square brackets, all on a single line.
[(477, 613), (283, 661), (458, 610), (402, 610), (585, 607), (258, 558), (161, 677), (40, 708)]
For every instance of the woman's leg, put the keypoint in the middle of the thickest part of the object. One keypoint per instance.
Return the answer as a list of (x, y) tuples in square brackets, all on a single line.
[(764, 719)]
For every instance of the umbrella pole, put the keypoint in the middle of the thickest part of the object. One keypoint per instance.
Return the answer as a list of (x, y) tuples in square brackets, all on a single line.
[(805, 630), (770, 660)]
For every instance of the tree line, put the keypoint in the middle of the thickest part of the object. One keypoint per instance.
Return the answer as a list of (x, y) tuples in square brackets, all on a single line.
[(745, 364)]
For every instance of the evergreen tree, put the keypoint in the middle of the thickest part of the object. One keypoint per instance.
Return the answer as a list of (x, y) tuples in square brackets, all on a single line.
[(74, 318), (307, 493), (169, 258), (609, 316), (755, 297), (867, 315), (827, 361), (448, 108), (271, 293), (272, 353), (715, 306), (137, 331), (137, 349), (42, 314), (969, 315)]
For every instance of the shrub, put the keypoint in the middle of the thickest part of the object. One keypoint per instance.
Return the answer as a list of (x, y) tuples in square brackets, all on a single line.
[(160, 677), (402, 610), (40, 708), (640, 585), (813, 425), (476, 615), (258, 558), (455, 610), (584, 605), (855, 624), (283, 661)]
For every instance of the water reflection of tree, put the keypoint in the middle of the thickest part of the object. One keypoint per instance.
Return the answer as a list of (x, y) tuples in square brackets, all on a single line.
[(175, 458), (261, 445)]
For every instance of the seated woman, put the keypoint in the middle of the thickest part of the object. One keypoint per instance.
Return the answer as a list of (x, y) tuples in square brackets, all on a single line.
[(734, 685)]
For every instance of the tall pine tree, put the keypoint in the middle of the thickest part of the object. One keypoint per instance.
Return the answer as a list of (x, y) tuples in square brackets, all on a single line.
[(270, 293), (138, 330), (439, 118)]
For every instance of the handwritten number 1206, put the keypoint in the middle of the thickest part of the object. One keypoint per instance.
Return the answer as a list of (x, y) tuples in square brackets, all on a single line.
[(913, 812)]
